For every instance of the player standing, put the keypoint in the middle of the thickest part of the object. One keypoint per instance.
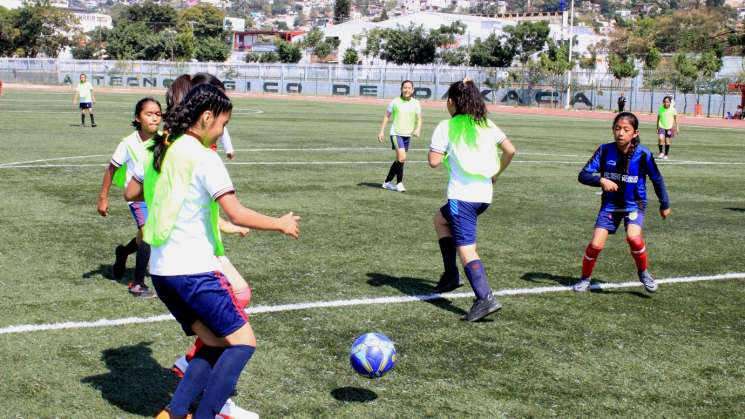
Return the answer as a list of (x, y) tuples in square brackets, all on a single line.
[(667, 126), (85, 99), (406, 116)]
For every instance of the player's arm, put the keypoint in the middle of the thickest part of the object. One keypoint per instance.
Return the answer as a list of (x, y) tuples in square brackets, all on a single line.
[(134, 190), (239, 215), (103, 196), (229, 228), (227, 144), (658, 182), (590, 174), (434, 158), (675, 123), (75, 97), (508, 152), (93, 96), (419, 122), (386, 118)]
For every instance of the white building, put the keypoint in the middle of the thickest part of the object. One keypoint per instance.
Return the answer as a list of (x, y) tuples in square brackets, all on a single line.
[(90, 21), (234, 24), (476, 27)]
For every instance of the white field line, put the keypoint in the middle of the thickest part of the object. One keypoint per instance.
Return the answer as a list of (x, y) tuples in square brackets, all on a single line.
[(52, 159), (26, 328)]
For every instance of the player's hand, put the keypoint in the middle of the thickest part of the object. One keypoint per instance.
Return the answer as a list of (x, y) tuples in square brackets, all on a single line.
[(290, 225), (242, 231), (103, 206), (380, 136), (608, 185), (230, 155), (417, 133), (665, 213)]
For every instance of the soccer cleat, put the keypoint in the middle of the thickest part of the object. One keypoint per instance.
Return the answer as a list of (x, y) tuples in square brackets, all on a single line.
[(231, 411), (482, 308), (400, 187), (661, 156), (180, 366), (389, 186), (120, 263), (446, 285), (646, 279), (141, 291), (665, 157), (582, 285), (166, 414)]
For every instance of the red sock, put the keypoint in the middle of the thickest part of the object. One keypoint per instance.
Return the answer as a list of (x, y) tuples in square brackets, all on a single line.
[(588, 261), (193, 350), (638, 252)]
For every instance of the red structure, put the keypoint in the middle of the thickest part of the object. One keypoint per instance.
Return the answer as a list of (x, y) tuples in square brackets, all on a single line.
[(247, 40), (734, 87)]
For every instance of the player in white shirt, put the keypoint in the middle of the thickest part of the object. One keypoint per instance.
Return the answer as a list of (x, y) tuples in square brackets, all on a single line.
[(405, 115), (467, 144), (130, 152), (85, 99)]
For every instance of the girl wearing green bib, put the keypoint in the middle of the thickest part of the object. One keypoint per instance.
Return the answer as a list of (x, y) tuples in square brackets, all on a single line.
[(406, 116), (667, 126), (130, 152), (184, 187)]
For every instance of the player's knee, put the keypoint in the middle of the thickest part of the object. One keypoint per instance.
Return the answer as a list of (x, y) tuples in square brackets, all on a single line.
[(636, 243)]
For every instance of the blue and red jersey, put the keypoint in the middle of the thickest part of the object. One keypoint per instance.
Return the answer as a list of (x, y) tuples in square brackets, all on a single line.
[(629, 173)]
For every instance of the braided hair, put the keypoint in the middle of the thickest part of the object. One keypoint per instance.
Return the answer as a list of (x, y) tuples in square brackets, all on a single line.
[(200, 99), (468, 101), (176, 91), (634, 121)]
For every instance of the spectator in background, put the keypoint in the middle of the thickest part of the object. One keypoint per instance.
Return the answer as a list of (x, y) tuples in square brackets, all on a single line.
[(621, 102)]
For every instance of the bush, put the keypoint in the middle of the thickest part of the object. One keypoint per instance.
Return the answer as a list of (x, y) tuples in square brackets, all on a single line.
[(350, 56)]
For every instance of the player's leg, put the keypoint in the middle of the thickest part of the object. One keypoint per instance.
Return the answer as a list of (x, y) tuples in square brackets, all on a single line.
[(403, 147), (82, 114), (606, 223), (638, 248), (90, 113), (387, 184), (668, 138), (661, 141), (450, 278)]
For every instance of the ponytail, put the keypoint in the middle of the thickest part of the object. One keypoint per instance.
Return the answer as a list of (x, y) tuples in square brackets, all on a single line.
[(468, 101), (200, 99)]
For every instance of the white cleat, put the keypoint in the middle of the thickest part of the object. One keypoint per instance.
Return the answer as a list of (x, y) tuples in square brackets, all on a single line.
[(400, 187), (661, 156), (232, 411), (389, 186)]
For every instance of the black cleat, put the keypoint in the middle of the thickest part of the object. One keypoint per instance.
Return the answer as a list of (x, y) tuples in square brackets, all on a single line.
[(447, 284), (141, 291), (120, 263), (94, 125), (482, 308)]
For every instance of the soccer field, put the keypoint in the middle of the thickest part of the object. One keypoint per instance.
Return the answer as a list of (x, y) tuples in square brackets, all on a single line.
[(547, 353)]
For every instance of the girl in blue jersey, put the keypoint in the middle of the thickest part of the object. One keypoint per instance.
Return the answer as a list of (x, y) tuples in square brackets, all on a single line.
[(467, 144), (183, 186), (621, 168)]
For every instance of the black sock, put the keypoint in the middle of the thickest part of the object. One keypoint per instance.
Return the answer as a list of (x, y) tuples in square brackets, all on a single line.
[(660, 146), (143, 256), (82, 119), (131, 247), (392, 171), (447, 249), (93, 121), (667, 149), (400, 172)]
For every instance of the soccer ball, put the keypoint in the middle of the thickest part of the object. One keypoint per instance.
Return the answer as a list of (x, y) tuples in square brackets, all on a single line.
[(372, 355)]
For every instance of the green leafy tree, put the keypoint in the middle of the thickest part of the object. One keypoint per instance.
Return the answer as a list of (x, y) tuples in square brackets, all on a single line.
[(204, 20), (8, 32), (685, 75), (555, 61), (211, 49), (411, 45), (527, 38), (454, 56), (350, 56), (323, 50), (269, 57), (652, 59), (492, 52), (622, 67), (42, 28), (342, 11), (312, 38), (289, 52), (155, 16)]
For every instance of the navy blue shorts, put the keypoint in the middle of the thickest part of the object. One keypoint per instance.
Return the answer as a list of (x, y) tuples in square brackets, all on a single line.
[(138, 209), (610, 220), (207, 297), (86, 105), (462, 216), (398, 141)]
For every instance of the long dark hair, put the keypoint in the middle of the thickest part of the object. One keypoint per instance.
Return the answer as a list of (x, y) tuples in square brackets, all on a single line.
[(468, 101), (200, 99), (176, 91), (138, 108), (634, 121), (402, 86)]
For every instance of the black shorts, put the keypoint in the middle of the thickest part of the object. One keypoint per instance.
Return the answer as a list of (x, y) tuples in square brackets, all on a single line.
[(86, 105)]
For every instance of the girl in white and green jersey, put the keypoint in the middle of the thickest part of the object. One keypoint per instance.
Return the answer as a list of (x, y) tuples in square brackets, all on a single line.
[(406, 116), (131, 151)]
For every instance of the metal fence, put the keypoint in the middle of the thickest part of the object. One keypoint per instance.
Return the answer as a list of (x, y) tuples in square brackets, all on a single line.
[(589, 90)]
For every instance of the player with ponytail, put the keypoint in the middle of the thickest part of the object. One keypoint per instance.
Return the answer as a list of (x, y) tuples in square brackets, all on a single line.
[(620, 169), (468, 145)]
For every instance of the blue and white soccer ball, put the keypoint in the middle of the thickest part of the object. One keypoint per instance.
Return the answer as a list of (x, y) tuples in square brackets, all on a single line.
[(372, 355)]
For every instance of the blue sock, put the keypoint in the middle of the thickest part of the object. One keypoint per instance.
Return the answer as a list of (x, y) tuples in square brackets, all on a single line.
[(477, 277), (447, 248), (223, 379), (195, 379)]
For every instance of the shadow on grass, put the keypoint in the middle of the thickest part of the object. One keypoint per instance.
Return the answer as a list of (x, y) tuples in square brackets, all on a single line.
[(736, 209), (106, 272), (568, 281), (353, 394), (412, 286), (135, 383)]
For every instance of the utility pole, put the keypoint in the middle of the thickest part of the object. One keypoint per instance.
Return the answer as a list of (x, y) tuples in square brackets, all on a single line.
[(569, 73)]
